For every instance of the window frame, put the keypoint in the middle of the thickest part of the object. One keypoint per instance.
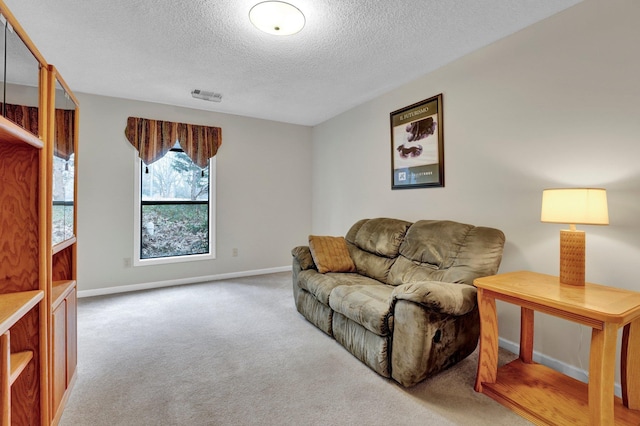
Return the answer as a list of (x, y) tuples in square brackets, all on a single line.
[(137, 261)]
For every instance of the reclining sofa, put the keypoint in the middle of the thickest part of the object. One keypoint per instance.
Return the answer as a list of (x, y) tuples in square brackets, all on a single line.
[(398, 295)]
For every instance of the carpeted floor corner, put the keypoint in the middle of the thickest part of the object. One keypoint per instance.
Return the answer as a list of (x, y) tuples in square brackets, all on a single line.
[(237, 352)]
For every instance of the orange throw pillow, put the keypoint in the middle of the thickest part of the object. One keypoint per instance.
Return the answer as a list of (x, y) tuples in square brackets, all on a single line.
[(330, 254)]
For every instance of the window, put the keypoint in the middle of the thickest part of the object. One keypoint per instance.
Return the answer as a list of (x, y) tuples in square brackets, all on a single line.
[(175, 210), (174, 190)]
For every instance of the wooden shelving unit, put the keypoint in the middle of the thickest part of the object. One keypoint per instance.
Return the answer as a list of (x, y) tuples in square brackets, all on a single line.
[(60, 291), (38, 319), (24, 387), (18, 362), (62, 278), (23, 319), (14, 306), (14, 134)]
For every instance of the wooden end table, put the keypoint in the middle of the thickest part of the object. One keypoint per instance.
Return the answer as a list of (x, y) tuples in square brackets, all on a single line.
[(539, 393)]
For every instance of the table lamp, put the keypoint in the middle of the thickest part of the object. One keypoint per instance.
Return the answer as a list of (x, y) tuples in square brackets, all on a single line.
[(587, 206)]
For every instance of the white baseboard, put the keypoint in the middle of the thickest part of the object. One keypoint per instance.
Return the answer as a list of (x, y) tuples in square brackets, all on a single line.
[(180, 281), (562, 367)]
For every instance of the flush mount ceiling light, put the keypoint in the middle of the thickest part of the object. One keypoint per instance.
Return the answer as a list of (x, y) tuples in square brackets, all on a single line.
[(277, 17)]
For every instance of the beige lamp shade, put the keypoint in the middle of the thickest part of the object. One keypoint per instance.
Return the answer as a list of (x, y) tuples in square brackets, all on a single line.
[(587, 206)]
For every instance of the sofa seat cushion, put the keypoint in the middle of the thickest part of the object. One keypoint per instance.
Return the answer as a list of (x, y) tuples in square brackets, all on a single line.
[(320, 285), (367, 305)]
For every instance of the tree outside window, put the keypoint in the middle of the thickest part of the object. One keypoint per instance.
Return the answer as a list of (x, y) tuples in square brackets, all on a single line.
[(174, 207)]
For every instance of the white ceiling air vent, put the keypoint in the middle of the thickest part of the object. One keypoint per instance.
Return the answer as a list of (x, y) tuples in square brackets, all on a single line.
[(207, 96)]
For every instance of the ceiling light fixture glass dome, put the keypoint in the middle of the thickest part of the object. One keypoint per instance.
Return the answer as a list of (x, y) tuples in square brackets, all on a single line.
[(277, 17)]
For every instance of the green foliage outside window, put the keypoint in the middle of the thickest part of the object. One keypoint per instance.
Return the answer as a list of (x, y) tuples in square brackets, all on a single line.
[(175, 208)]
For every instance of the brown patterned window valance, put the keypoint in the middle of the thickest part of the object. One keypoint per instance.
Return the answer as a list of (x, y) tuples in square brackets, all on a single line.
[(24, 116), (154, 138), (64, 132), (27, 118)]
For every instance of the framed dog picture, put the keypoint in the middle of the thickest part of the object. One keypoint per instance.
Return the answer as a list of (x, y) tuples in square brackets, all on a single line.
[(417, 145)]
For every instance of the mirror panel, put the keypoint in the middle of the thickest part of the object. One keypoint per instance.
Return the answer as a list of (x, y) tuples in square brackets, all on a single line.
[(20, 77), (3, 58), (63, 166)]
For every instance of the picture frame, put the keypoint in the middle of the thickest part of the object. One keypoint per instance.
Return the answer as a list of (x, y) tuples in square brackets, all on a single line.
[(417, 145)]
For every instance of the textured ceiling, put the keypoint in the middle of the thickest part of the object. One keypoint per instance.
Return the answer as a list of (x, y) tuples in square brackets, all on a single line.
[(349, 52)]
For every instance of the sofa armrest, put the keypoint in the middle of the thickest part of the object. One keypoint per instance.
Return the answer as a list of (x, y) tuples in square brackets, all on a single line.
[(443, 297), (302, 254)]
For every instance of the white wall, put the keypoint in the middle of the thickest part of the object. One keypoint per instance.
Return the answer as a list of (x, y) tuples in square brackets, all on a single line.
[(263, 194), (554, 105)]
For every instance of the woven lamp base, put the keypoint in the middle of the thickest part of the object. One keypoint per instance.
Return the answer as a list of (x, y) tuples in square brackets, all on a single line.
[(572, 245)]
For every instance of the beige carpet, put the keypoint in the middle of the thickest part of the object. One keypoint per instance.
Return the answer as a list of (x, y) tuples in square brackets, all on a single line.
[(237, 352)]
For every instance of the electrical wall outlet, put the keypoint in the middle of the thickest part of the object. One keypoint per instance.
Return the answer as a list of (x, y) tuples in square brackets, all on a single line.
[(234, 252), (127, 262)]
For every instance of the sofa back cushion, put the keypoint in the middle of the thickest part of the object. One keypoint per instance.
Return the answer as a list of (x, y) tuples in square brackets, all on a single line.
[(480, 256), (374, 245), (443, 250)]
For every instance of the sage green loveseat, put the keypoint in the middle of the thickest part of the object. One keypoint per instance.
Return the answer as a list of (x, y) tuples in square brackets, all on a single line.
[(410, 310)]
